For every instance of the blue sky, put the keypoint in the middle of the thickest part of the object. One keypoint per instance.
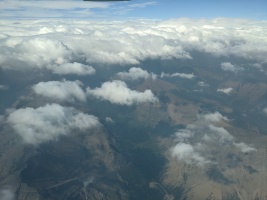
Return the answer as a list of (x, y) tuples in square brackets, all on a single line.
[(158, 9)]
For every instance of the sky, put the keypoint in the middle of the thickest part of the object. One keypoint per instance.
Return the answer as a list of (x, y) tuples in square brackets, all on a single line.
[(157, 9)]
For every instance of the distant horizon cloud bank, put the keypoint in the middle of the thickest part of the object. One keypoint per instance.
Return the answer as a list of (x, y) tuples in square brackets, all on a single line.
[(75, 47)]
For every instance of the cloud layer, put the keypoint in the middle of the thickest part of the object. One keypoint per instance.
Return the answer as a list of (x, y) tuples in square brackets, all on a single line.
[(48, 122), (117, 92), (72, 47)]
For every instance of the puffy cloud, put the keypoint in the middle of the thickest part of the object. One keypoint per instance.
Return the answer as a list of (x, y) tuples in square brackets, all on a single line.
[(3, 87), (225, 90), (73, 68), (184, 135), (6, 193), (136, 73), (34, 53), (110, 120), (223, 135), (186, 152), (48, 122), (244, 147), (117, 92), (214, 117), (227, 66), (181, 75), (199, 141), (63, 91), (42, 44)]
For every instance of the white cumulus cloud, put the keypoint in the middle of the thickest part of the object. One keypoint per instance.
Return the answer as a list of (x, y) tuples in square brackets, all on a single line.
[(199, 141), (225, 90), (48, 122), (227, 66), (214, 117), (42, 44), (73, 68), (117, 92), (36, 52), (63, 91), (181, 75), (136, 73), (187, 153), (245, 148)]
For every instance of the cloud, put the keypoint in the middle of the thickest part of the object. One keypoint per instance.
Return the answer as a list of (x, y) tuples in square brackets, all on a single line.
[(265, 110), (200, 142), (202, 84), (41, 53), (117, 92), (3, 87), (142, 5), (227, 66), (73, 68), (136, 73), (109, 120), (63, 46), (244, 147), (6, 193), (181, 75), (224, 137), (46, 9), (184, 135), (214, 117), (186, 152), (36, 52), (225, 90), (62, 91), (47, 123)]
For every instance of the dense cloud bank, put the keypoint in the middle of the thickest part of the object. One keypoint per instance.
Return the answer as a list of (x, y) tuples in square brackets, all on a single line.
[(67, 47)]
